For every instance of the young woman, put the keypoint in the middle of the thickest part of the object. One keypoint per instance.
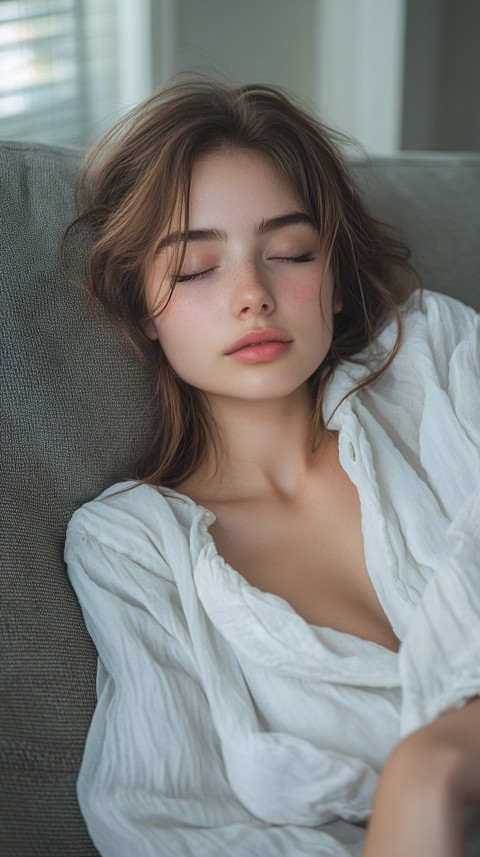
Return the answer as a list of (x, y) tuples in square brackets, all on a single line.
[(286, 597)]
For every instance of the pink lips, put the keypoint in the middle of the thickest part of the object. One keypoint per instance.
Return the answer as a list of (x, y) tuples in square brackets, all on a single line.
[(259, 346)]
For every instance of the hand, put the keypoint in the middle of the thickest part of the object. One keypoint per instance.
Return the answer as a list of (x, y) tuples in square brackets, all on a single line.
[(424, 787)]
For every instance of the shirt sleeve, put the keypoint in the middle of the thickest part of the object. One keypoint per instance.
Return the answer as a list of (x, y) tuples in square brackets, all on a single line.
[(440, 656), (152, 779)]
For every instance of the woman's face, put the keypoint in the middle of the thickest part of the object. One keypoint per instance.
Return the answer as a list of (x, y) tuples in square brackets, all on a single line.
[(251, 314)]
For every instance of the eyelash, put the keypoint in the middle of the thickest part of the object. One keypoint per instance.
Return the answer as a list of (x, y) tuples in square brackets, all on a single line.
[(306, 257), (187, 278)]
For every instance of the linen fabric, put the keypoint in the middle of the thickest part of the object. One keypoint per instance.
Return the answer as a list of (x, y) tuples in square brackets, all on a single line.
[(225, 723)]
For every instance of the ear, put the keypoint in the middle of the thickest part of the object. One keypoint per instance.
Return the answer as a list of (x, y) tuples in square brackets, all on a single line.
[(150, 330), (337, 301)]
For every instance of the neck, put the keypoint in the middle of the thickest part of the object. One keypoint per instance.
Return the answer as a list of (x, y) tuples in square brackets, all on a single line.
[(265, 448)]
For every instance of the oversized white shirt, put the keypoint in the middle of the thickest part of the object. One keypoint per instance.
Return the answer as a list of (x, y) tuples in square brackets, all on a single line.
[(225, 723)]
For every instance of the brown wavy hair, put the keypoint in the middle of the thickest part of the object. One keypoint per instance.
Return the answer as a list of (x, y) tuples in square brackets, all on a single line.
[(136, 178)]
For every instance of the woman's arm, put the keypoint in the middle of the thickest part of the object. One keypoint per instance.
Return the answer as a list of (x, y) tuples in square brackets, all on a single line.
[(424, 788), (434, 772)]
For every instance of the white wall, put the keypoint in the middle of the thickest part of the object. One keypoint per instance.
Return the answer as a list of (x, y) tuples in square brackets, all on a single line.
[(268, 41), (359, 69), (343, 57), (135, 61), (392, 74)]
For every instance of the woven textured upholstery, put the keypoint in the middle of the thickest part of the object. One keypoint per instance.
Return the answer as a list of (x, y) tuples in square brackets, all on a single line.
[(75, 414), (434, 203)]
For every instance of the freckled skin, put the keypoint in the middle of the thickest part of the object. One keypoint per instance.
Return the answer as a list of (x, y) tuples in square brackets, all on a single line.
[(252, 281)]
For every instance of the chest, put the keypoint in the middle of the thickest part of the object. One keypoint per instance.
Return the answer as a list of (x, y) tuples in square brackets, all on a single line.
[(309, 552)]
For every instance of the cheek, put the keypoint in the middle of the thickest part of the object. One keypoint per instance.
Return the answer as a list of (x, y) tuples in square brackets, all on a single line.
[(189, 307), (307, 300), (317, 304), (182, 329), (314, 295), (327, 298)]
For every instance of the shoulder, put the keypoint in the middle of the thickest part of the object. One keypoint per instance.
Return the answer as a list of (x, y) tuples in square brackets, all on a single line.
[(444, 319), (430, 393), (133, 519), (123, 504), (438, 332), (442, 338)]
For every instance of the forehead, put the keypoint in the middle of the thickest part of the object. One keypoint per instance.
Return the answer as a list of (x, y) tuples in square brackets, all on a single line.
[(231, 192), (233, 181)]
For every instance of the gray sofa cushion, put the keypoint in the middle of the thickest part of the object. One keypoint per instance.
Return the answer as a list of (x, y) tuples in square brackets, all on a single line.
[(433, 200), (75, 414)]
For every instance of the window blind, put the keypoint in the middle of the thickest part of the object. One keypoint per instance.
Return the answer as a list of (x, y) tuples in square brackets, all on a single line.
[(58, 69)]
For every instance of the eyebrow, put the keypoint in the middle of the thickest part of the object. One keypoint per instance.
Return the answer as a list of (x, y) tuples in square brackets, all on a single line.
[(191, 235), (265, 227), (290, 219)]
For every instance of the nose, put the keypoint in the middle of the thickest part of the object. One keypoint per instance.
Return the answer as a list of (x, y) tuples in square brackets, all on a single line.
[(251, 295)]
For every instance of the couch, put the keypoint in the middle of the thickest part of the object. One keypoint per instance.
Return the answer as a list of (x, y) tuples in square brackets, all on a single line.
[(76, 411)]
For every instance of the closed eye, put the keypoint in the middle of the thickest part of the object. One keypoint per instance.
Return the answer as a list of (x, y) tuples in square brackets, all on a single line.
[(305, 257), (197, 275)]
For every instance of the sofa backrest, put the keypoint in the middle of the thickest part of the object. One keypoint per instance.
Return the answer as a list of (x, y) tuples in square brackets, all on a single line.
[(76, 411), (433, 201)]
